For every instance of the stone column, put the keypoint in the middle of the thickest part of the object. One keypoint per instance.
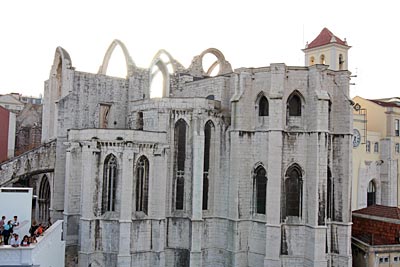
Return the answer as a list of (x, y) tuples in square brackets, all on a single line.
[(125, 220), (87, 235), (197, 193)]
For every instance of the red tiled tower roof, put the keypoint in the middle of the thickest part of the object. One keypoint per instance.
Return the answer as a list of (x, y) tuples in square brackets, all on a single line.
[(325, 37)]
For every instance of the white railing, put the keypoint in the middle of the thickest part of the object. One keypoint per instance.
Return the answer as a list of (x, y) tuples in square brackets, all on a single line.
[(48, 251)]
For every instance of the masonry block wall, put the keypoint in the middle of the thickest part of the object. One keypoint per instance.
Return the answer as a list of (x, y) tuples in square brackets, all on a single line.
[(230, 170), (380, 231)]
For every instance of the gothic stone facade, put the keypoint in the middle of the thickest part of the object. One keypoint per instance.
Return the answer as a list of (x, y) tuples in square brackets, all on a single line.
[(250, 167)]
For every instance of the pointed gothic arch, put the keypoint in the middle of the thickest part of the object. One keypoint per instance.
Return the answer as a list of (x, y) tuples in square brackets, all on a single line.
[(180, 162), (292, 197), (295, 104), (142, 184), (162, 67), (62, 62), (207, 160), (109, 184), (130, 65), (44, 199), (259, 189), (262, 105)]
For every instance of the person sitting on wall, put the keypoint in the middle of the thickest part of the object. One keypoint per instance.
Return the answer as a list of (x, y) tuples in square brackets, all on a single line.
[(39, 230), (14, 241), (33, 228), (25, 241)]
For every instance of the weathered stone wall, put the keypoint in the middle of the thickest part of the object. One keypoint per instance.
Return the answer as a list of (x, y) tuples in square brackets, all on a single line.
[(230, 232)]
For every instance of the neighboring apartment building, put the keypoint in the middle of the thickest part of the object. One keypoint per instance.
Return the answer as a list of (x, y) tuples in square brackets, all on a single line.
[(7, 134), (29, 128), (12, 102), (376, 236), (376, 147)]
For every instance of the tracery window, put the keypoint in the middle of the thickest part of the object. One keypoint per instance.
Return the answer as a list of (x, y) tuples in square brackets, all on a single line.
[(109, 183), (371, 193), (142, 184), (293, 191), (263, 107), (180, 155), (294, 105), (260, 190), (206, 166)]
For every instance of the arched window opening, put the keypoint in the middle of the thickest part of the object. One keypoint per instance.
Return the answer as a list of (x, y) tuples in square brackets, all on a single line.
[(341, 62), (293, 191), (260, 190), (206, 162), (44, 200), (330, 198), (109, 184), (180, 155), (139, 121), (371, 194), (210, 97), (312, 61), (322, 59), (294, 105), (263, 107), (142, 184)]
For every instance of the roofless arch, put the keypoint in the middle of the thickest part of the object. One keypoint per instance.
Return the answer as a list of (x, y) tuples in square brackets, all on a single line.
[(130, 65), (197, 67)]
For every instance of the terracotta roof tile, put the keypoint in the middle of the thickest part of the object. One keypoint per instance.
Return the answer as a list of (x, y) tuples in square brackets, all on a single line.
[(380, 211), (325, 37), (385, 103)]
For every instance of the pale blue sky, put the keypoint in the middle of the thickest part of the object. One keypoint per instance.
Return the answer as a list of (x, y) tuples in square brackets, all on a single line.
[(249, 33)]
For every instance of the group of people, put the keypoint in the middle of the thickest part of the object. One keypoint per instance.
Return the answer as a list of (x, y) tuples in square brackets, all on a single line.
[(8, 235), (7, 229)]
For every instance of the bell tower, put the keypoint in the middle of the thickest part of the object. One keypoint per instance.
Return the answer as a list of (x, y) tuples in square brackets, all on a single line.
[(327, 49)]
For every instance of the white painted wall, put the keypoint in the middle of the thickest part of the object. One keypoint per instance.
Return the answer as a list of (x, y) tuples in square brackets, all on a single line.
[(17, 201)]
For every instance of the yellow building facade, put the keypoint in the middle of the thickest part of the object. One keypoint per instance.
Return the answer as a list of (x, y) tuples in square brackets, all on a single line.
[(376, 147)]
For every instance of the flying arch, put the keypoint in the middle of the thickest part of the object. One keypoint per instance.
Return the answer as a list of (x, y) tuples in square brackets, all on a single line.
[(130, 65)]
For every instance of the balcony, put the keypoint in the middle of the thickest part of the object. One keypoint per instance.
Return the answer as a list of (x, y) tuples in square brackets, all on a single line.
[(49, 251)]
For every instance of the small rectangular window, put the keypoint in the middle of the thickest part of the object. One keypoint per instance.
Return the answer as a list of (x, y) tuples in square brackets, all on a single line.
[(368, 146), (396, 259), (376, 147), (397, 127), (397, 148)]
